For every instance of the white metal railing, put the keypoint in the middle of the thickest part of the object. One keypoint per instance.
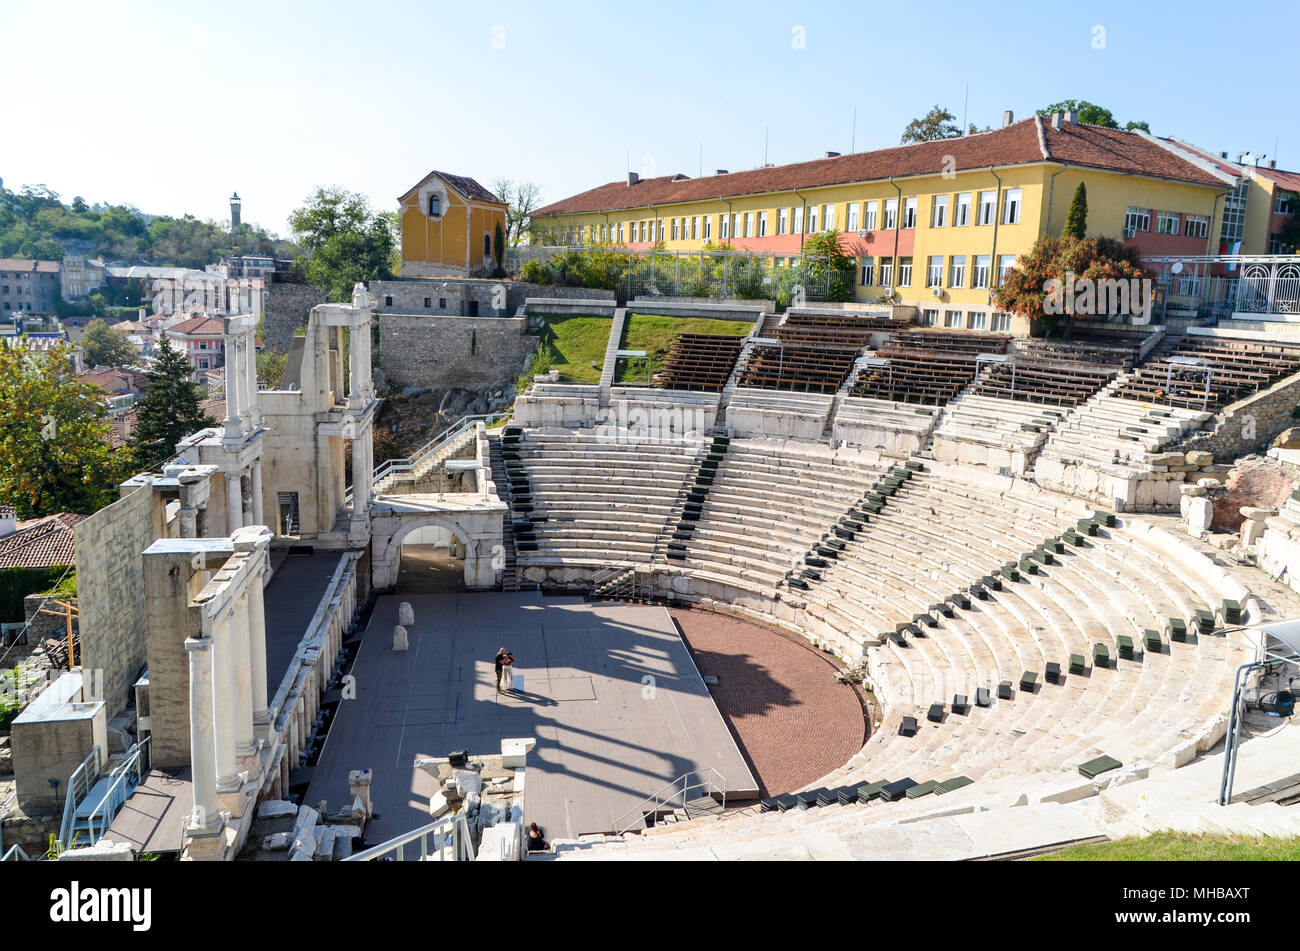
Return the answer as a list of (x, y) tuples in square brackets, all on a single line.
[(432, 838), (83, 779), (125, 777), (15, 854), (713, 784), (391, 467)]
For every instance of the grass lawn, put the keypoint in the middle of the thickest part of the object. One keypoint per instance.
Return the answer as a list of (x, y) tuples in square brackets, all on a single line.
[(654, 334), (1182, 847), (572, 344)]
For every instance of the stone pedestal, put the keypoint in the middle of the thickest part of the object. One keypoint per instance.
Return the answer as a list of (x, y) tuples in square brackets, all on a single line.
[(400, 640)]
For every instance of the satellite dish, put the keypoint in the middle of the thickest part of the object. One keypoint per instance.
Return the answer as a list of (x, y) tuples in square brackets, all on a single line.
[(1177, 268)]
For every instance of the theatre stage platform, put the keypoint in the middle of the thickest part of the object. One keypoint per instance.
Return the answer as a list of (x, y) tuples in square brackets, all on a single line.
[(610, 693)]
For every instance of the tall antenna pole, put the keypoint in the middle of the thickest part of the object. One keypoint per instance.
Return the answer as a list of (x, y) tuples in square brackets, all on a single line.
[(701, 158), (853, 139), (964, 103), (765, 146)]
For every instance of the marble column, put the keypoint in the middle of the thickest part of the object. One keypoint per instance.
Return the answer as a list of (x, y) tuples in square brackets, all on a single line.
[(257, 493), (231, 421), (234, 503), (251, 343), (257, 646), (189, 522), (224, 703), (203, 764), (245, 744)]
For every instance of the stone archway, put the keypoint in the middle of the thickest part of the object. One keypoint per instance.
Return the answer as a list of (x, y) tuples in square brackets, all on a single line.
[(477, 527)]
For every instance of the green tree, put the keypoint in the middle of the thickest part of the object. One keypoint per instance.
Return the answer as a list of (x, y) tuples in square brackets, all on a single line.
[(168, 411), (55, 449), (938, 123), (344, 241), (106, 347), (1076, 220), (825, 261), (499, 250), (270, 368), (1091, 114)]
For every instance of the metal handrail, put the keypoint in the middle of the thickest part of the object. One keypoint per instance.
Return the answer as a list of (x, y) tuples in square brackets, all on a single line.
[(16, 853), (460, 842), (391, 466), (71, 795), (660, 801), (116, 794)]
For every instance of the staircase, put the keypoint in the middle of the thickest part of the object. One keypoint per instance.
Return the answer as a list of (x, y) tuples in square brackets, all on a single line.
[(509, 572), (616, 583), (611, 355), (93, 799), (687, 513), (692, 795)]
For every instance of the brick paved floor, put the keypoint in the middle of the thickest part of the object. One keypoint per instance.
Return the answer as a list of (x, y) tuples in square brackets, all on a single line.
[(792, 720)]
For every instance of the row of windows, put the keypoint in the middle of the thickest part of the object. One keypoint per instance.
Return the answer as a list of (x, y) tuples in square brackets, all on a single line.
[(980, 271), (945, 210), (972, 320), (1138, 220)]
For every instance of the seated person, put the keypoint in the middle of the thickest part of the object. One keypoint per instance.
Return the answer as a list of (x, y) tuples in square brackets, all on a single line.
[(536, 842)]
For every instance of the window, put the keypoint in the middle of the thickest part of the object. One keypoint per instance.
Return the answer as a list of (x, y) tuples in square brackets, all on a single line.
[(1196, 227), (674, 229), (1001, 323), (487, 243), (812, 219), (1005, 263), (708, 227), (886, 272), (904, 272), (1011, 207), (1167, 223), (203, 345), (388, 300), (442, 303), (620, 232), (604, 233), (797, 227), (909, 213), (980, 276), (988, 201), (952, 318), (428, 303), (203, 363), (1137, 219), (735, 225), (435, 206), (957, 271), (975, 320), (782, 220), (869, 215), (939, 211), (891, 213), (868, 271), (749, 224), (1189, 286), (1283, 204), (851, 217), (828, 217), (961, 211), (695, 228), (934, 271), (724, 229), (929, 317), (762, 224)]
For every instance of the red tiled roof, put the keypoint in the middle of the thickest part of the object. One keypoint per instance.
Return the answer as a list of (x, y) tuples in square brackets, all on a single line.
[(1017, 144), (466, 186), (1290, 181), (42, 543), (199, 326), (116, 380), (29, 264)]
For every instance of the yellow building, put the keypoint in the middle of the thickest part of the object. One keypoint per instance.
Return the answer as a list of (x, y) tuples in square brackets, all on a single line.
[(450, 227), (932, 225)]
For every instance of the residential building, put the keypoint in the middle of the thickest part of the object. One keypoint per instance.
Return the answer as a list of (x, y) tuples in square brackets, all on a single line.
[(28, 286), (449, 227), (960, 209), (82, 276), (202, 340)]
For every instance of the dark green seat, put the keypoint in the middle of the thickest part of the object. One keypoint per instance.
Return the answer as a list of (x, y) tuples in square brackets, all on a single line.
[(1125, 644), (1054, 545), (1010, 572), (1071, 536), (1087, 526), (1077, 665), (1152, 642), (1100, 655), (1104, 518), (1027, 681), (1028, 566), (1004, 690), (948, 785), (1095, 767), (1231, 611), (921, 789), (912, 465), (1204, 620)]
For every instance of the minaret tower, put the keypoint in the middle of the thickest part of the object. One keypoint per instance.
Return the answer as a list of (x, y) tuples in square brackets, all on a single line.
[(234, 212)]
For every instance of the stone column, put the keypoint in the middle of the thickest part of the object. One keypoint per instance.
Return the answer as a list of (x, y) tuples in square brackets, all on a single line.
[(257, 493), (189, 522), (251, 343), (245, 744), (203, 764), (223, 700), (362, 472), (245, 397), (234, 503), (257, 648), (231, 422)]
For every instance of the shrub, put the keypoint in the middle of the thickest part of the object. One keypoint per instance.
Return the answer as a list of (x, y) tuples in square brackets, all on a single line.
[(536, 272)]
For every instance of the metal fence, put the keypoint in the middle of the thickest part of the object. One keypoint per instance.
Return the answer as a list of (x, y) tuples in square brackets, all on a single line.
[(1221, 285)]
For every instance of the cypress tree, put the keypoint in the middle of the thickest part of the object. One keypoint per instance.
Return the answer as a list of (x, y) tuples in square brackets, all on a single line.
[(169, 409), (1076, 220)]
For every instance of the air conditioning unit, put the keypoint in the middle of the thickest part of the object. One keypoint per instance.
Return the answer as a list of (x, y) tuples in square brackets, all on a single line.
[(862, 234), (1130, 232), (938, 292)]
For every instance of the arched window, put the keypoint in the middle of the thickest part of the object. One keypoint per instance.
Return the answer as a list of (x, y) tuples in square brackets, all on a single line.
[(487, 245), (435, 206)]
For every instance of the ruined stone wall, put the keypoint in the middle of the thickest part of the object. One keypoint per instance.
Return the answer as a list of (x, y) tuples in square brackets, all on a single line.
[(457, 297), (110, 590), (1249, 425), (467, 352), (286, 306)]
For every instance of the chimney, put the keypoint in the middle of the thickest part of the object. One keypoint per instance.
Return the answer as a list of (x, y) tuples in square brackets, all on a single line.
[(1223, 155), (1072, 116), (8, 521), (1056, 121), (632, 179), (721, 171), (1008, 117), (832, 154), (1272, 163)]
